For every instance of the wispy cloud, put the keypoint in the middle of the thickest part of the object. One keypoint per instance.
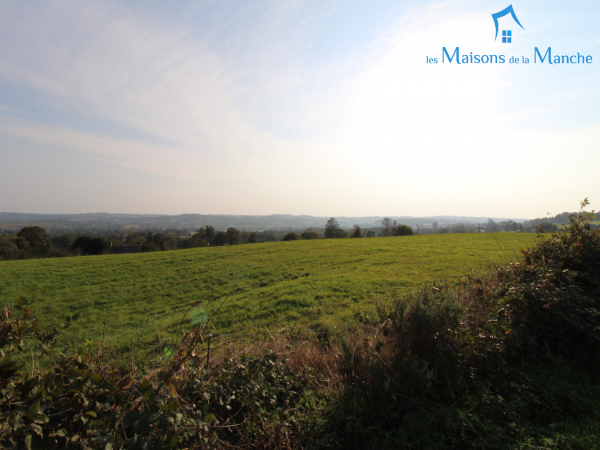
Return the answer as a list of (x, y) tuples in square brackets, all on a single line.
[(250, 94)]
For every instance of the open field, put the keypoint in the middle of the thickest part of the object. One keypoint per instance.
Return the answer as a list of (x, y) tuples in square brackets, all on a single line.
[(272, 285)]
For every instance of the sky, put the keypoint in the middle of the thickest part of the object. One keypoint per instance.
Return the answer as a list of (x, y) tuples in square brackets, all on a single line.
[(325, 108)]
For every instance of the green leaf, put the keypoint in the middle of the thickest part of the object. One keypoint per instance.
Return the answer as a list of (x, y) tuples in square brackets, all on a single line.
[(130, 418), (41, 419), (62, 432), (33, 410), (91, 413), (28, 439), (156, 417), (36, 429)]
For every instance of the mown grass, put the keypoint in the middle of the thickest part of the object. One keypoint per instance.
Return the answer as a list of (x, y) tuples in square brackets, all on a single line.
[(267, 286)]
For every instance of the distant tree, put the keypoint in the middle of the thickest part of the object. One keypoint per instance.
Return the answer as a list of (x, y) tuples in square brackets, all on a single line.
[(160, 240), (39, 243), (510, 225), (136, 239), (443, 231), (266, 237), (492, 226), (459, 228), (196, 241), (233, 236), (403, 230), (209, 234), (90, 245), (333, 230), (115, 243), (157, 242), (387, 226), (220, 238), (63, 241), (309, 234), (150, 246), (357, 233), (8, 248), (171, 242), (291, 236), (252, 238), (23, 246), (370, 234)]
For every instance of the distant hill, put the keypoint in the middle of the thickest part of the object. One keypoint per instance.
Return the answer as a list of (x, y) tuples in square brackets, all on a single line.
[(559, 219), (106, 221)]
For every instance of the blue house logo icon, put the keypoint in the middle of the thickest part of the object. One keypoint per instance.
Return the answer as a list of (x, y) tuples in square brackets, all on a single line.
[(506, 34)]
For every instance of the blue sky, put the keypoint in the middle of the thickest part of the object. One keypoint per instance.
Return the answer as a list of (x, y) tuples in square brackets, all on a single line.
[(299, 107)]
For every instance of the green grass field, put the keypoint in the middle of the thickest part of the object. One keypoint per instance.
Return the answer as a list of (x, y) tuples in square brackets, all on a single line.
[(272, 285)]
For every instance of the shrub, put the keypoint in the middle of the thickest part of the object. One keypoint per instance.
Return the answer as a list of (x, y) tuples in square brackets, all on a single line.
[(357, 233), (220, 238), (553, 297), (309, 234), (291, 236), (90, 245), (8, 248), (403, 230), (86, 401), (233, 236), (431, 373)]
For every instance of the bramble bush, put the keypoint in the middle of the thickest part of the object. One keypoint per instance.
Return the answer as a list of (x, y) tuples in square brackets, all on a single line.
[(86, 401), (496, 362)]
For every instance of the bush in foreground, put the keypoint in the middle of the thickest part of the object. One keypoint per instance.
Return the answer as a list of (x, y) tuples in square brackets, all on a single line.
[(85, 401), (503, 361)]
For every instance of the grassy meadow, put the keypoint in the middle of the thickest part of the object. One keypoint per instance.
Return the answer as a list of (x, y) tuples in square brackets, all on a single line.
[(266, 286)]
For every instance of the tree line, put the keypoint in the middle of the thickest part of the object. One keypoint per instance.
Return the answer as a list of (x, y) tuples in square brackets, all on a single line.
[(34, 241)]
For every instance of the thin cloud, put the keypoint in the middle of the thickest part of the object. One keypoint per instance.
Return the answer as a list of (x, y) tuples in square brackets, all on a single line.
[(251, 101)]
